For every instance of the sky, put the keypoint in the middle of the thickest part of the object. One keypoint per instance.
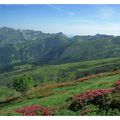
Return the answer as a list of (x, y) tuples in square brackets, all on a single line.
[(71, 19)]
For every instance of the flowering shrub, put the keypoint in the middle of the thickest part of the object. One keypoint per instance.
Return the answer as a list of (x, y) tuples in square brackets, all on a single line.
[(116, 86), (46, 112), (92, 96), (117, 83), (34, 110)]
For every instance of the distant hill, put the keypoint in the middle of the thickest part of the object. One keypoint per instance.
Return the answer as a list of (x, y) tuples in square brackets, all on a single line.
[(36, 47)]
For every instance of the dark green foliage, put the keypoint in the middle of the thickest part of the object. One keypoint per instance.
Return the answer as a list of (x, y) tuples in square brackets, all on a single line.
[(116, 40), (35, 47), (60, 73), (23, 83)]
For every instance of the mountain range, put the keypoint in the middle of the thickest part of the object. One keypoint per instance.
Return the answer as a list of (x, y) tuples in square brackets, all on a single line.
[(35, 47)]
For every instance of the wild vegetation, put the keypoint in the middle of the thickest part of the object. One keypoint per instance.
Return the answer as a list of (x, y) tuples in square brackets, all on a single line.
[(52, 74), (48, 74), (92, 94), (23, 83)]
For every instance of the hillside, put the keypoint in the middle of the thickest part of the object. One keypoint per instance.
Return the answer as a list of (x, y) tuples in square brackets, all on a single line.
[(52, 74), (55, 99), (59, 60), (45, 74), (35, 47), (79, 88)]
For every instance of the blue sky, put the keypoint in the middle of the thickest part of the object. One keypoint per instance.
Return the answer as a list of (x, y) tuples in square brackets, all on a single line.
[(69, 19)]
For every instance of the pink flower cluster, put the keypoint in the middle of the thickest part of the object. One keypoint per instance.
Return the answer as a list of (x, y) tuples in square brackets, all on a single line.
[(117, 83), (92, 94), (33, 109)]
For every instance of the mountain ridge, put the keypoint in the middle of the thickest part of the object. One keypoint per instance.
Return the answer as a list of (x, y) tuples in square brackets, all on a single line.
[(28, 46)]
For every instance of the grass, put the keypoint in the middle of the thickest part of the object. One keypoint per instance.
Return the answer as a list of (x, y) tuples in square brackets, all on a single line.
[(59, 73), (61, 81), (58, 100)]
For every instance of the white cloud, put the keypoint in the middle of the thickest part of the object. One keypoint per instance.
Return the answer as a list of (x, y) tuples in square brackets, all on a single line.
[(61, 9)]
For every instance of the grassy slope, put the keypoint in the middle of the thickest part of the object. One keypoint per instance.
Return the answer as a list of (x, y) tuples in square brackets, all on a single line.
[(56, 73), (59, 100)]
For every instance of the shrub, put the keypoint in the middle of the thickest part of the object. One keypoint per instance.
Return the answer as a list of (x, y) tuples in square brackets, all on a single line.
[(92, 96), (110, 112), (117, 83), (89, 110), (110, 101), (34, 110), (8, 95), (23, 83)]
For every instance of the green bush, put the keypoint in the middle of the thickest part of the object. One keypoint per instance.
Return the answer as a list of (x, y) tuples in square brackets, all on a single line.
[(109, 112), (7, 94), (23, 83)]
